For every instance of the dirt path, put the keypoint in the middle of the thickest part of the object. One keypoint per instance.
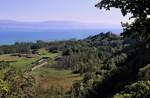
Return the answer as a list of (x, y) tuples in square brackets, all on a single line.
[(40, 65)]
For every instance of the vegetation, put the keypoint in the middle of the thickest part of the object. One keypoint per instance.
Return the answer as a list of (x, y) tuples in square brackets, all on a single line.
[(52, 82), (139, 89), (80, 68), (101, 66), (139, 10)]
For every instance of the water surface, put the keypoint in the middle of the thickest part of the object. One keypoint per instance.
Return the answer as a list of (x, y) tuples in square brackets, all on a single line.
[(12, 36)]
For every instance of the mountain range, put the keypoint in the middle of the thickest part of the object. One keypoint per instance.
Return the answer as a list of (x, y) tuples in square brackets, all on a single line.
[(14, 26)]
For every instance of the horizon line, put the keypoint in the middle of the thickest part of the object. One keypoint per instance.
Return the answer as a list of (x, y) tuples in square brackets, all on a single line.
[(55, 20)]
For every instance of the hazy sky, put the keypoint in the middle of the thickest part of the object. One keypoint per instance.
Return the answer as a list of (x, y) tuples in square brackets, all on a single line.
[(68, 10)]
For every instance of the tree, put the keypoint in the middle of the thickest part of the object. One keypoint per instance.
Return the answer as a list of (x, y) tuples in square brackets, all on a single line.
[(140, 89), (140, 12), (144, 73)]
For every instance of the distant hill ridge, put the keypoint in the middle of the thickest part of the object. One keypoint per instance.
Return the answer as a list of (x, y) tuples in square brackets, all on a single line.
[(102, 36), (11, 25)]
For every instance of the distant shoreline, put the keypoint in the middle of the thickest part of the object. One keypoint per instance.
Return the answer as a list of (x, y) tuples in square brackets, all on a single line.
[(9, 38)]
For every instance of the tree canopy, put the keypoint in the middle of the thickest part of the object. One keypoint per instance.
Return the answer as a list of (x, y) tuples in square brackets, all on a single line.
[(140, 12)]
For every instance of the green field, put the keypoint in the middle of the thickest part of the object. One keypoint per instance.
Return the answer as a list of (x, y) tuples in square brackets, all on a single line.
[(20, 64), (51, 80), (44, 53), (23, 63), (8, 57), (48, 80)]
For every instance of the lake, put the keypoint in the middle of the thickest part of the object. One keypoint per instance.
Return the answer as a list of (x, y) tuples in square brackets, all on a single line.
[(13, 36)]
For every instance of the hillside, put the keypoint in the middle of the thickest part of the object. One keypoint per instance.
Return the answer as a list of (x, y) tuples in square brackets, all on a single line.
[(75, 68)]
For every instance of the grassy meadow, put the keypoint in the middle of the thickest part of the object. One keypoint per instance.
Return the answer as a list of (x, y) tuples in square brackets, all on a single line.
[(24, 63), (49, 81)]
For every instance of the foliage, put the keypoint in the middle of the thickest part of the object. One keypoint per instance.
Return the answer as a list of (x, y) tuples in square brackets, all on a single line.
[(22, 47), (139, 10), (140, 89), (93, 61), (4, 88), (53, 82), (13, 85), (144, 73)]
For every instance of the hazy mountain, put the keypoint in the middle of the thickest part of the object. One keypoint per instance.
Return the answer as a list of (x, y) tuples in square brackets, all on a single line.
[(9, 25)]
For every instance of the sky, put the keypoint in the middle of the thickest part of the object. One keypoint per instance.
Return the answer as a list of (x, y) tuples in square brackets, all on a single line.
[(58, 10)]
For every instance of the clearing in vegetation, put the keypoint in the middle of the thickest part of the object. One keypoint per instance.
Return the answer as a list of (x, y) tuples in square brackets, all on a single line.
[(49, 81)]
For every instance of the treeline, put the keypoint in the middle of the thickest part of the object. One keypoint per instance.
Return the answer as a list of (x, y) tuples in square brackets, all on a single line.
[(109, 64), (118, 70), (127, 71), (90, 54), (22, 47)]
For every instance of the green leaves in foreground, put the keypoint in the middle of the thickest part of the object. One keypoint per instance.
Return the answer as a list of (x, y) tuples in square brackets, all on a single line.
[(139, 11), (4, 88), (140, 89)]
